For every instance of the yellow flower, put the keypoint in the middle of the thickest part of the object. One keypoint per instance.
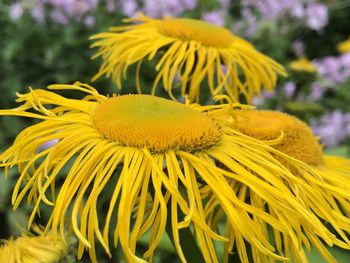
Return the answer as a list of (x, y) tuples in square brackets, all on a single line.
[(191, 49), (344, 47), (326, 195), (32, 249), (153, 159), (302, 64)]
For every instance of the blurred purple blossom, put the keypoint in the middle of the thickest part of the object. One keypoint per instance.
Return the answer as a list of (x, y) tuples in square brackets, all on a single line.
[(89, 21), (272, 9), (316, 16), (332, 127), (59, 17), (72, 8), (61, 11), (249, 24), (38, 13), (298, 48), (297, 10), (111, 5), (267, 9), (289, 89), (345, 61), (129, 7), (215, 17), (189, 4), (317, 91), (224, 4), (258, 100), (334, 69), (16, 11), (161, 8)]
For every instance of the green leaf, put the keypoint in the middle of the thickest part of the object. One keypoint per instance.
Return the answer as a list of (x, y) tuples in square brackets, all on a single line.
[(338, 151), (339, 254)]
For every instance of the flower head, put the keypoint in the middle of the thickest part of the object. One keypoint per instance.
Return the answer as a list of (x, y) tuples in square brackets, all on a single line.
[(215, 17), (332, 128), (32, 249), (316, 16), (334, 69), (158, 158), (161, 8), (289, 89), (16, 11), (302, 64), (191, 49), (326, 195), (344, 47)]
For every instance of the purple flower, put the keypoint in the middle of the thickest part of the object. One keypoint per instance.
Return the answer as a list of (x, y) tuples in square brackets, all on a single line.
[(250, 20), (345, 59), (161, 8), (64, 10), (332, 127), (345, 62), (215, 17), (77, 8), (334, 69), (258, 100), (270, 9), (189, 4), (16, 11), (129, 7), (298, 48), (59, 17), (89, 21), (297, 10), (61, 11), (289, 89), (38, 13), (224, 4), (316, 16), (111, 5), (317, 91)]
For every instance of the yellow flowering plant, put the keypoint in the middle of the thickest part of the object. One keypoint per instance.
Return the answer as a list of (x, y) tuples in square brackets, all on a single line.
[(326, 194), (192, 50), (302, 65), (224, 181), (182, 169), (29, 248)]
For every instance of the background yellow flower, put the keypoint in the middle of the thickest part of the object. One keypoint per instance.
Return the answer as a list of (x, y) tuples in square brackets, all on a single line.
[(344, 47), (32, 249), (302, 64), (326, 193), (188, 49)]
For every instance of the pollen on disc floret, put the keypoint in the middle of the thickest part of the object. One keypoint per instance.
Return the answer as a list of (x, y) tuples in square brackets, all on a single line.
[(297, 139)]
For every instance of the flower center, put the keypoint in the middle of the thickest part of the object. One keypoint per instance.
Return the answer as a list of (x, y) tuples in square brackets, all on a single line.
[(155, 123), (190, 29), (298, 140)]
